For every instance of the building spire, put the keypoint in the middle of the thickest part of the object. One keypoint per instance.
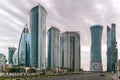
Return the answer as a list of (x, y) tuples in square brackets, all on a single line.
[(25, 30)]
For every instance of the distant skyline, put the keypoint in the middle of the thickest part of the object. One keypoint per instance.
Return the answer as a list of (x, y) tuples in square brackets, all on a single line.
[(73, 15)]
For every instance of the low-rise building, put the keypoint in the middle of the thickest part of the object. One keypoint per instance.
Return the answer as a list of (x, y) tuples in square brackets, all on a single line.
[(2, 62), (118, 68)]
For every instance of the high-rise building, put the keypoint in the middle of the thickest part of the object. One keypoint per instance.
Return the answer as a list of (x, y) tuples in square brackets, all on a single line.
[(38, 37), (11, 51), (112, 51), (15, 58), (24, 49), (70, 51), (2, 62), (96, 36), (53, 47)]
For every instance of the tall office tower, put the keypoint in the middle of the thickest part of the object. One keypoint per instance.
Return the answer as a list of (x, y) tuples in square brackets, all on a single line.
[(53, 47), (112, 51), (70, 51), (38, 37), (96, 36), (24, 48), (11, 51)]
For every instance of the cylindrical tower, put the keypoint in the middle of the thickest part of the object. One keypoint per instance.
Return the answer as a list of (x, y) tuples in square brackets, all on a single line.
[(96, 36)]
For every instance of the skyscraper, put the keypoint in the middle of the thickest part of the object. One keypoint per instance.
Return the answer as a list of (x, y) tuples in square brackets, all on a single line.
[(112, 51), (38, 37), (70, 51), (11, 51), (96, 36), (53, 47), (24, 49)]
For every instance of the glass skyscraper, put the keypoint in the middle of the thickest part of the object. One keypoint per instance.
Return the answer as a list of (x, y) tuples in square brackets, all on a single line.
[(53, 47), (70, 51), (11, 51), (24, 49), (38, 37), (96, 36), (112, 51)]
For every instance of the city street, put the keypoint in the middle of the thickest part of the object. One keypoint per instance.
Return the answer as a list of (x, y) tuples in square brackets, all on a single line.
[(95, 76)]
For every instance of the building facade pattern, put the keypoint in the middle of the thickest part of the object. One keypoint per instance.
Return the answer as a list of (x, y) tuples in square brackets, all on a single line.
[(11, 51), (70, 51), (38, 37), (24, 49), (2, 62), (112, 51), (53, 47), (96, 36)]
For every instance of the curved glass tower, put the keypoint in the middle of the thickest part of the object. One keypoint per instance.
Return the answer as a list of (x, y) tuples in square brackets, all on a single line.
[(38, 37), (24, 49), (96, 36)]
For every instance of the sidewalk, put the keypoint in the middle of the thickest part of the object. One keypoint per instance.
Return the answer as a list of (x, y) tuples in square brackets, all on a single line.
[(108, 78), (115, 77)]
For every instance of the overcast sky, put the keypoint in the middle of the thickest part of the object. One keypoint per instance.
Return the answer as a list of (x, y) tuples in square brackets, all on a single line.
[(73, 15)]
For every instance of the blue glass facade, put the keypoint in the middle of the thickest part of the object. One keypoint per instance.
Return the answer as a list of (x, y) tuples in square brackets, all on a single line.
[(49, 49), (38, 37), (53, 47), (34, 36), (96, 36), (112, 52), (11, 51), (24, 49)]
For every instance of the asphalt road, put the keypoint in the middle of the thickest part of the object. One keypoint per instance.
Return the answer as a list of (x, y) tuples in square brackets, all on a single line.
[(95, 76)]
